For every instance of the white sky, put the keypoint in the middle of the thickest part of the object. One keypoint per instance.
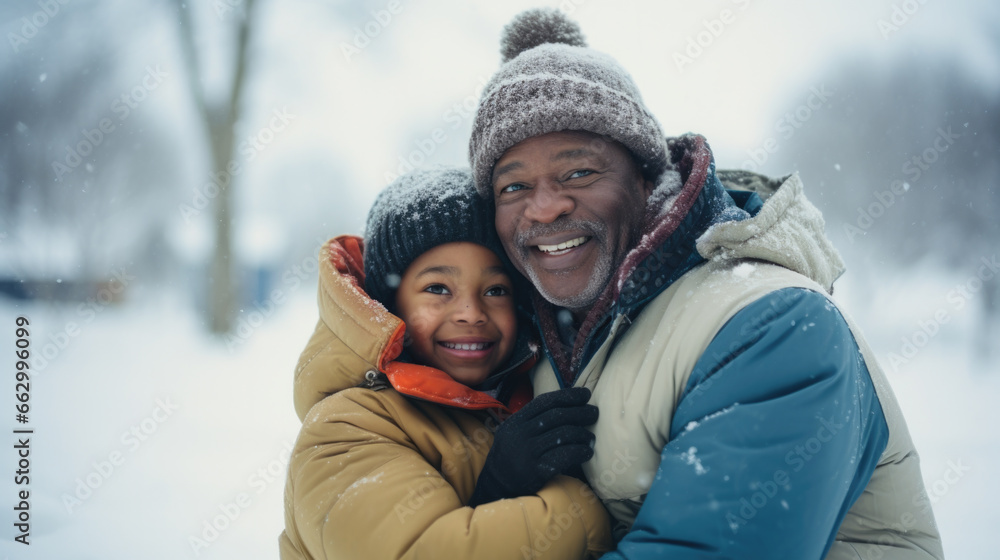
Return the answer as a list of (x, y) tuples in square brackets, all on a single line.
[(354, 119), (367, 112)]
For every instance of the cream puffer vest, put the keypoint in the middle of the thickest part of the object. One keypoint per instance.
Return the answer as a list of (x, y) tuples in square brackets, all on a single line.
[(638, 378)]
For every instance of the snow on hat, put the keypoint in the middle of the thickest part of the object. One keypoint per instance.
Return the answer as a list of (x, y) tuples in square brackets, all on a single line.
[(550, 81), (417, 212)]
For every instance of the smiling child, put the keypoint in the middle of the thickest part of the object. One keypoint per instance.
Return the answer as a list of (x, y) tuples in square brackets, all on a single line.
[(395, 430)]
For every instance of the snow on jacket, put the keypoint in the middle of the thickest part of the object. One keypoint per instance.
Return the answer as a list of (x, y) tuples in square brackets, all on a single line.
[(389, 452), (742, 414)]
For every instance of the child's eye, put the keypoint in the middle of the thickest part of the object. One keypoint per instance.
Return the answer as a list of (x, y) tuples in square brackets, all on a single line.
[(498, 291), (438, 289)]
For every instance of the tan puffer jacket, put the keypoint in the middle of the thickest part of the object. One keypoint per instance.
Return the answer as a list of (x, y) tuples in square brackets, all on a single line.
[(379, 475)]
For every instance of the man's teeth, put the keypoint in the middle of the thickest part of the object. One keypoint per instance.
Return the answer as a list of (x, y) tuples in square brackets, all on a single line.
[(564, 245), (466, 346)]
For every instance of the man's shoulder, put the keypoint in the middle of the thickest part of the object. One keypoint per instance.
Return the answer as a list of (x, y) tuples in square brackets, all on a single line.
[(791, 323), (677, 327), (714, 291)]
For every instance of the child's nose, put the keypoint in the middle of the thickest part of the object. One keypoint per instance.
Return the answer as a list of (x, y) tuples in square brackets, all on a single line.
[(469, 310)]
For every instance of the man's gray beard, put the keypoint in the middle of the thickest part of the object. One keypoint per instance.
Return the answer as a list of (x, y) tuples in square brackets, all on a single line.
[(601, 274)]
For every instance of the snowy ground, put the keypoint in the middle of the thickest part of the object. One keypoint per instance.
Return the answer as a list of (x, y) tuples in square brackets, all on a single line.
[(215, 425), (223, 429)]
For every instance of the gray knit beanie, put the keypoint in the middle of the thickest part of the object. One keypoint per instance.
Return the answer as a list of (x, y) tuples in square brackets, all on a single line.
[(550, 81), (417, 212)]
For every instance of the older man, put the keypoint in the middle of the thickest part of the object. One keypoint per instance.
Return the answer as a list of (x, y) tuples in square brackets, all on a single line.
[(741, 414)]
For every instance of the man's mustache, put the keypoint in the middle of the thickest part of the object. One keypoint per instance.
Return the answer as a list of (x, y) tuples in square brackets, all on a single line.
[(597, 230)]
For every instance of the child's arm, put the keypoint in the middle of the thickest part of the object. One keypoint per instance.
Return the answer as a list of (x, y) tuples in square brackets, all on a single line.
[(361, 489)]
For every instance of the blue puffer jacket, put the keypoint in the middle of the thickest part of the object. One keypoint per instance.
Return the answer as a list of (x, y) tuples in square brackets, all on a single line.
[(742, 415)]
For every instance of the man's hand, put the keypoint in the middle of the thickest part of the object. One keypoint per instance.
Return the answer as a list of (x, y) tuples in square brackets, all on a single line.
[(543, 439)]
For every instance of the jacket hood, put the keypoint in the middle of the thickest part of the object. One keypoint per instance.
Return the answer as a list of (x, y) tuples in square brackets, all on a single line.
[(787, 230), (357, 340), (778, 225)]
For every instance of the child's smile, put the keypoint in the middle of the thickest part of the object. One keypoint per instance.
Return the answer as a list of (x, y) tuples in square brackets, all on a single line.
[(458, 306)]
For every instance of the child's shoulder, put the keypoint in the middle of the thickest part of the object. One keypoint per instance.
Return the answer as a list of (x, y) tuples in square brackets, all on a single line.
[(347, 403), (383, 413)]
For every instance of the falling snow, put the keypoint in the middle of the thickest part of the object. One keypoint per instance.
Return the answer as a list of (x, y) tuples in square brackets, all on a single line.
[(690, 457)]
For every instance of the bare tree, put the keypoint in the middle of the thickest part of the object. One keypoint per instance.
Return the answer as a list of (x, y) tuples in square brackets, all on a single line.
[(220, 117), (905, 162), (78, 200)]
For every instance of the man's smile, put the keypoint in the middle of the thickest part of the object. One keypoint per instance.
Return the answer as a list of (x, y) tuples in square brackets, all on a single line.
[(564, 247)]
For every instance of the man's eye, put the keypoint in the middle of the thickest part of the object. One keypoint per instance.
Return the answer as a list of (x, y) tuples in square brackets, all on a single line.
[(512, 188), (438, 289), (580, 173), (498, 291)]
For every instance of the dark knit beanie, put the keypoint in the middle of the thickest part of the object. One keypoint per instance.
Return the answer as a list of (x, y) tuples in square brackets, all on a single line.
[(417, 212), (549, 81)]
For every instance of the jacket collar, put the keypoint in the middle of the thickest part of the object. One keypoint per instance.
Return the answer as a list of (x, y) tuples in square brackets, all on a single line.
[(433, 385), (666, 251)]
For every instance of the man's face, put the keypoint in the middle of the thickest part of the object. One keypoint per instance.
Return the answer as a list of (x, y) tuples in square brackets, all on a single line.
[(569, 207)]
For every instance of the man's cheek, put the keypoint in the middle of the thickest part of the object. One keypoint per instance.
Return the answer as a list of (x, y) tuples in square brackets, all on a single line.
[(514, 254), (506, 229)]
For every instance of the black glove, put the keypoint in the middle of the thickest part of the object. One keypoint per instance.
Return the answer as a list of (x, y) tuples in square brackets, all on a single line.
[(541, 440)]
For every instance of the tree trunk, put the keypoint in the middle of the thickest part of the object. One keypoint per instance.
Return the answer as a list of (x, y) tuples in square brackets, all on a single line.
[(219, 120), (990, 320)]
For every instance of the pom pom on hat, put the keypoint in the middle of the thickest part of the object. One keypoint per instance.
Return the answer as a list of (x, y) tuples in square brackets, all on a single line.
[(550, 81), (539, 26)]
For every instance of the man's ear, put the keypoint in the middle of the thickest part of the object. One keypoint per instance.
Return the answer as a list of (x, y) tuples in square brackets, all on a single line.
[(646, 185)]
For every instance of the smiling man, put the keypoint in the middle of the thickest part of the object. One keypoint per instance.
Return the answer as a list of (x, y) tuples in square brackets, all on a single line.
[(741, 413), (569, 261)]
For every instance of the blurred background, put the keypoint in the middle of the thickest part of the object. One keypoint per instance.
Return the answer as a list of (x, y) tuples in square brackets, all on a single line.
[(168, 171)]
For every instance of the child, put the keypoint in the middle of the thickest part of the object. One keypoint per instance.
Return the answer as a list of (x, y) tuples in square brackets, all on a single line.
[(394, 429)]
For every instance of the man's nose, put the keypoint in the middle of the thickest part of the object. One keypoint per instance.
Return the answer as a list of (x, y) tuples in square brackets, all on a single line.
[(547, 202)]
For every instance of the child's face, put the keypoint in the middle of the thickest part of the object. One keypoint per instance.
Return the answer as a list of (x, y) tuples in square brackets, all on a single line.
[(458, 306)]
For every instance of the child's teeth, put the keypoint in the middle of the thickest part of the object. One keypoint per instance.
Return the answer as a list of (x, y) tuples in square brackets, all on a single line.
[(467, 346)]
